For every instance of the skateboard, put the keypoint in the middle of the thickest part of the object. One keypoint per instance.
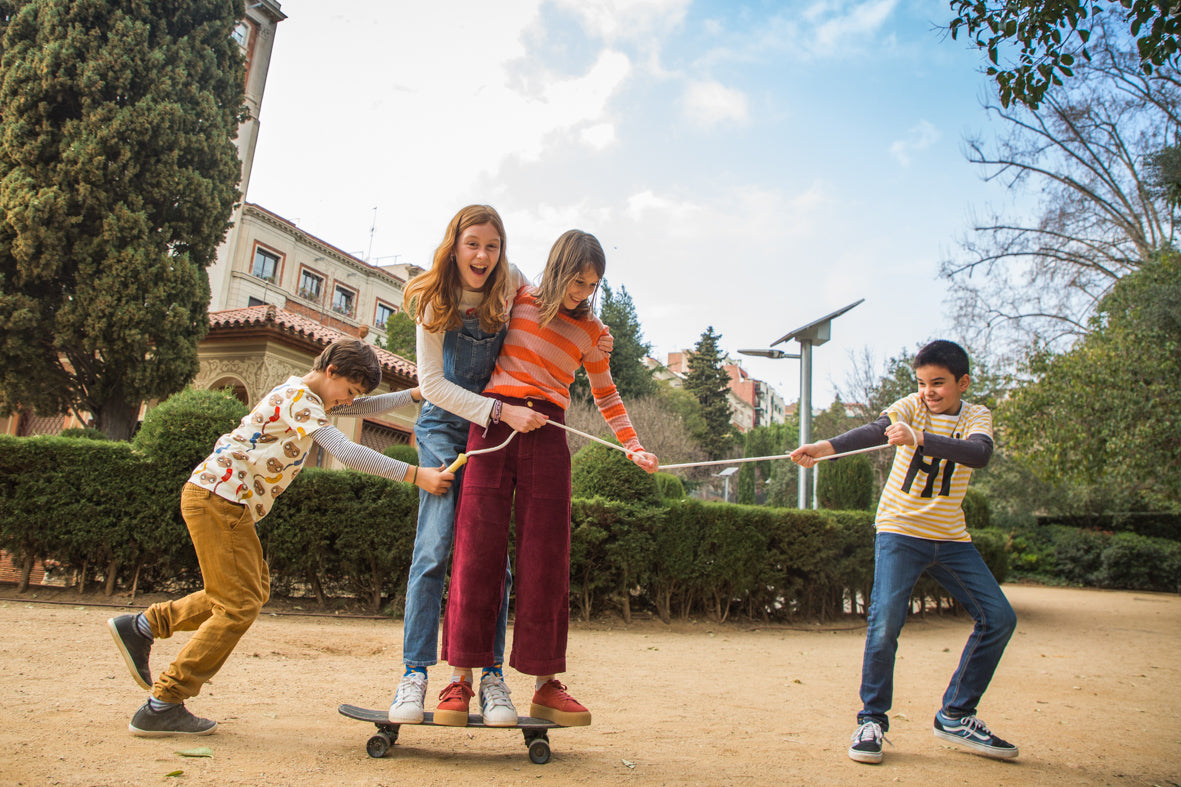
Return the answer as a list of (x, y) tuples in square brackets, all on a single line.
[(535, 730)]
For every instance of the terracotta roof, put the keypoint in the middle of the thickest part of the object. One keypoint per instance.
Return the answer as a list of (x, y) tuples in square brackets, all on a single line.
[(292, 324)]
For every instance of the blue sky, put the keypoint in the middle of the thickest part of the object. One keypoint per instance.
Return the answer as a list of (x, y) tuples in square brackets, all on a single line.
[(750, 166)]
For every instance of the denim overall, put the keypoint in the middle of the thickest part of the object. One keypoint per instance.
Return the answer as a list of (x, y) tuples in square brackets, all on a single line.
[(469, 357)]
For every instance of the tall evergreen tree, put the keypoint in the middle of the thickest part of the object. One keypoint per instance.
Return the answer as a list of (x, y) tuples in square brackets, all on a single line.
[(632, 378), (708, 381), (118, 174)]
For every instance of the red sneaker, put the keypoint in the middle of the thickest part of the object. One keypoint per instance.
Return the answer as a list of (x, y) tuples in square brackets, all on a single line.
[(551, 702), (453, 704)]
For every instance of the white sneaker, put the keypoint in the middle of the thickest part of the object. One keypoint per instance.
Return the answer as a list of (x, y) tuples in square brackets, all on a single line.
[(408, 702), (495, 704)]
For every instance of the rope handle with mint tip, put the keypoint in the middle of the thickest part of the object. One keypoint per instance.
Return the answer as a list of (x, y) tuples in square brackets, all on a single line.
[(461, 460)]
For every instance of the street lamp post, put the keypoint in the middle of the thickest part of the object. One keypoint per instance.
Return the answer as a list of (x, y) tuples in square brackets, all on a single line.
[(725, 474), (811, 335)]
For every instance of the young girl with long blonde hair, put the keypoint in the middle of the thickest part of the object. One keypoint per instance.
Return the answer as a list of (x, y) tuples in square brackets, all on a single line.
[(553, 332), (461, 307)]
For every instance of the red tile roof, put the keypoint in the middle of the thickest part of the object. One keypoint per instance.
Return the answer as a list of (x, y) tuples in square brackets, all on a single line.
[(296, 325)]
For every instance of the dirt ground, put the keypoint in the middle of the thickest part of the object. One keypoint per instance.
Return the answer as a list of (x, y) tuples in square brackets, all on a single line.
[(1088, 689)]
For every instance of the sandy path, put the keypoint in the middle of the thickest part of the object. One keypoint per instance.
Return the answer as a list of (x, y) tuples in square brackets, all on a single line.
[(1088, 689)]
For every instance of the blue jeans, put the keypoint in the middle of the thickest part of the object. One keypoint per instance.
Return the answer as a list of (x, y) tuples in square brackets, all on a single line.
[(957, 566), (469, 356)]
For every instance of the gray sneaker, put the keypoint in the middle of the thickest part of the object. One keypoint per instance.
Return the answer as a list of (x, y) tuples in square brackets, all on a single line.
[(134, 647), (147, 723)]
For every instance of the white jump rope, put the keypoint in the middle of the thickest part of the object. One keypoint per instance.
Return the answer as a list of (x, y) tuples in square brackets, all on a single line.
[(463, 457)]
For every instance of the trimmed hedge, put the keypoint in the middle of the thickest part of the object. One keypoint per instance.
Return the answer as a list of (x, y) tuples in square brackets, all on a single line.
[(1154, 524), (1096, 558), (102, 507)]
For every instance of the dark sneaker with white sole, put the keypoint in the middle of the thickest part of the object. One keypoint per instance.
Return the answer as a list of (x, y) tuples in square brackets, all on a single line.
[(973, 734), (147, 723), (134, 647), (867, 743)]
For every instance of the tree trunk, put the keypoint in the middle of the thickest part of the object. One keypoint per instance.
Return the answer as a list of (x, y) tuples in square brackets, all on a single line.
[(135, 578), (627, 600), (664, 605), (112, 575), (116, 418), (375, 573), (26, 571), (317, 588)]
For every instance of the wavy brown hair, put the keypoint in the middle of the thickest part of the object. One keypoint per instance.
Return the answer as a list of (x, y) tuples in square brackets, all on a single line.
[(437, 286), (572, 254)]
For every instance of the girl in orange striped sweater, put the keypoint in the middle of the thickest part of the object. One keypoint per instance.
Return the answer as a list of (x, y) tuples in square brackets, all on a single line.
[(552, 332)]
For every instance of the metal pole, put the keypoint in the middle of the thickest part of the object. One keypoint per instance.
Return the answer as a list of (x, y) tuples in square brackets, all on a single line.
[(805, 415)]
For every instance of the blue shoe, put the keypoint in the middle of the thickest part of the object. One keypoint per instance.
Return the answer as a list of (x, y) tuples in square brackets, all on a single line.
[(972, 733)]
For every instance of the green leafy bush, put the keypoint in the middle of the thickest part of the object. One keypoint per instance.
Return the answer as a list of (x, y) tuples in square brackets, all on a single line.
[(1140, 563), (977, 515), (669, 486), (599, 471), (180, 432), (83, 432), (403, 453), (845, 484)]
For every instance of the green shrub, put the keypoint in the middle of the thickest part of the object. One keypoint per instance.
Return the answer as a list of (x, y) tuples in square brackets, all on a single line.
[(83, 432), (599, 471), (179, 433), (403, 453), (993, 546), (1078, 554), (669, 486), (976, 510), (845, 485), (1140, 563)]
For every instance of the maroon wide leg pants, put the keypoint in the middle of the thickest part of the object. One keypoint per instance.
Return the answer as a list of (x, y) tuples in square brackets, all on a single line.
[(527, 482)]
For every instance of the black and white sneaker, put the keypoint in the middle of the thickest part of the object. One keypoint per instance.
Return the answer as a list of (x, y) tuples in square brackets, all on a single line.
[(867, 743), (973, 734), (134, 647)]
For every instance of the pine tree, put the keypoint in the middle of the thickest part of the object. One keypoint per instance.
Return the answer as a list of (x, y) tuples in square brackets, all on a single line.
[(709, 383), (119, 175), (631, 377)]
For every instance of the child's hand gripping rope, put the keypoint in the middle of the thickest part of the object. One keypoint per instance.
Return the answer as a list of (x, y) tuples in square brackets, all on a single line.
[(898, 433), (647, 462)]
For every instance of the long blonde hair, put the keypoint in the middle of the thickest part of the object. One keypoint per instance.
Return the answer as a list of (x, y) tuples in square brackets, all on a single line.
[(572, 254), (437, 287)]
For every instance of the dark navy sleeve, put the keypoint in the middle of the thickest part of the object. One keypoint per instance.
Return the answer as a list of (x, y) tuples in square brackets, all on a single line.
[(974, 451), (862, 437)]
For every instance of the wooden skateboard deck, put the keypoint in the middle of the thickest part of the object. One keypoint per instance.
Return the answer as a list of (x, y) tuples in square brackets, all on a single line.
[(535, 730)]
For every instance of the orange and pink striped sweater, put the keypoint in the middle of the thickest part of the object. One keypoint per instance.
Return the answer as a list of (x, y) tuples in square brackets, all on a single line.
[(538, 361)]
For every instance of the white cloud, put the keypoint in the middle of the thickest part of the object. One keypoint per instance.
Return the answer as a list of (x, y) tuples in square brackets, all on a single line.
[(860, 21), (615, 19), (920, 137), (599, 136), (711, 103)]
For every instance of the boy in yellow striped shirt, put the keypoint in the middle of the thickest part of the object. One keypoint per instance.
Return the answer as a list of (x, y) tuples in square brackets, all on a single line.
[(920, 527)]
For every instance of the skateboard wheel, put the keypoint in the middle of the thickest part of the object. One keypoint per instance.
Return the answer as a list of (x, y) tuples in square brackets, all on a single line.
[(539, 751), (378, 745)]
